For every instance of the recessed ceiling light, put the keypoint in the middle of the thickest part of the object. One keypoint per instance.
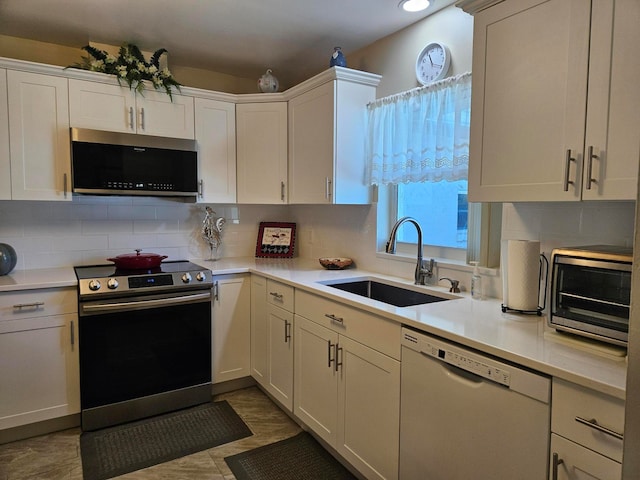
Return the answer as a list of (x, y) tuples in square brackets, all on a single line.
[(413, 5)]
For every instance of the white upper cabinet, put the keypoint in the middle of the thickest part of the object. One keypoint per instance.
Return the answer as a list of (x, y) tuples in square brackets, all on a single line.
[(5, 159), (39, 140), (542, 70), (326, 138), (103, 106), (262, 152), (216, 137)]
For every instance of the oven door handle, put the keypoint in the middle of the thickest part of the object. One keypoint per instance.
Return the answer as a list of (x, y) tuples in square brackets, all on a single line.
[(140, 304)]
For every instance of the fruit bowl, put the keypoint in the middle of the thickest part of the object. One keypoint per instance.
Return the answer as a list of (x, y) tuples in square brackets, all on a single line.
[(335, 263)]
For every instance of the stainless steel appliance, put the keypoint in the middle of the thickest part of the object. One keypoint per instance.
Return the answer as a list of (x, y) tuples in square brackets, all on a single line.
[(110, 163), (591, 292), (144, 340), (465, 415)]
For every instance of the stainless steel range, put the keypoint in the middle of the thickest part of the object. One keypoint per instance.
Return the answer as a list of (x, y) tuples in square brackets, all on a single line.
[(144, 339)]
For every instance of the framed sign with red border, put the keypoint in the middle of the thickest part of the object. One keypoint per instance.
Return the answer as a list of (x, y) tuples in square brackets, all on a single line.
[(276, 240)]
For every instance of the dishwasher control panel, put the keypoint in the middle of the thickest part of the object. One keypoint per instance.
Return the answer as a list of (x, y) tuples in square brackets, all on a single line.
[(465, 360)]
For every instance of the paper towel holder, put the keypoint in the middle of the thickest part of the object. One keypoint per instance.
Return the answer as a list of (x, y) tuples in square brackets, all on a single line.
[(539, 309)]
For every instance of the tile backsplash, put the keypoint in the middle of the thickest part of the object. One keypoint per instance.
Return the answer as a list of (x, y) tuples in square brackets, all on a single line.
[(90, 229)]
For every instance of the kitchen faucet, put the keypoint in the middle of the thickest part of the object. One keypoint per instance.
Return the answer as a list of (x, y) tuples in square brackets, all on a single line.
[(422, 272)]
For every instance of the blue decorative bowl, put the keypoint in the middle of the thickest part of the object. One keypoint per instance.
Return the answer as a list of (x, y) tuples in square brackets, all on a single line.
[(8, 258)]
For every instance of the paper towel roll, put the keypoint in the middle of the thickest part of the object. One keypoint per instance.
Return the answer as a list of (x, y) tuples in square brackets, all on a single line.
[(523, 273)]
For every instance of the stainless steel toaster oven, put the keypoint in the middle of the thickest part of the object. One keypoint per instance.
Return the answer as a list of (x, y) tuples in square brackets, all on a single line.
[(591, 292)]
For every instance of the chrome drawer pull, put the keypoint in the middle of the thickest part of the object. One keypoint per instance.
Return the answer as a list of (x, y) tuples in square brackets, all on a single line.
[(276, 296), (20, 306), (593, 423), (334, 318), (556, 463)]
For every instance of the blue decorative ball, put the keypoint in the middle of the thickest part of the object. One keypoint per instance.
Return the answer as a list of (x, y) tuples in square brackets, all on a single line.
[(8, 258)]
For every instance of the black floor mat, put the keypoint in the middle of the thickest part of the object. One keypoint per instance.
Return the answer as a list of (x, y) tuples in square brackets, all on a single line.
[(296, 458), (125, 448)]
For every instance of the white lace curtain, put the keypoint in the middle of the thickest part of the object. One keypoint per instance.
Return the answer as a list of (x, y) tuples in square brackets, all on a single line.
[(420, 135)]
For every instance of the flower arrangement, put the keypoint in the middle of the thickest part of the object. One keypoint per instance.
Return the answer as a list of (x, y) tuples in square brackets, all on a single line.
[(131, 67)]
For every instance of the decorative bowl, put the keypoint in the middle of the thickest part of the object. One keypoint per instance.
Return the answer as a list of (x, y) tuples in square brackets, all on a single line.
[(335, 263)]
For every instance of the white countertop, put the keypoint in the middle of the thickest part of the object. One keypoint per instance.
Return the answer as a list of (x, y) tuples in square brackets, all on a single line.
[(480, 324)]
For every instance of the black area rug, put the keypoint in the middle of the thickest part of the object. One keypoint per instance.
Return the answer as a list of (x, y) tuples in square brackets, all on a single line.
[(125, 448), (296, 458)]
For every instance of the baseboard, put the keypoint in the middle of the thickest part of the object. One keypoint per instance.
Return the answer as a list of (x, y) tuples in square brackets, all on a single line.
[(39, 428), (231, 385)]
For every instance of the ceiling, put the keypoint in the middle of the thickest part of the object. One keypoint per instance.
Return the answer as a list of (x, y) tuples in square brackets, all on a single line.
[(295, 38)]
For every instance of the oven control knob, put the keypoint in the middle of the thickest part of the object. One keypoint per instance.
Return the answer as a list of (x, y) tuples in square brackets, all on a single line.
[(186, 278), (94, 285), (201, 276), (112, 283)]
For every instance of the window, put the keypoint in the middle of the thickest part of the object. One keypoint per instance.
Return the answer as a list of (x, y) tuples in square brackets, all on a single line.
[(418, 146)]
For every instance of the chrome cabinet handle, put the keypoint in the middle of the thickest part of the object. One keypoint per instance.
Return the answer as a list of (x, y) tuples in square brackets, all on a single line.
[(282, 191), (287, 331), (216, 291), (327, 193), (591, 156), (73, 334), (276, 296), (334, 318), (338, 363), (555, 463), (20, 306), (201, 188), (567, 168), (131, 125), (593, 423), (64, 185), (329, 347), (142, 118)]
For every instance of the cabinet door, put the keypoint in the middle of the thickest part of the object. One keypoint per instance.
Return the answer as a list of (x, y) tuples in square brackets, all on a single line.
[(101, 106), (164, 116), (368, 409), (579, 463), (259, 337), (39, 139), (216, 137), (5, 159), (529, 101), (312, 145), (613, 109), (315, 396), (39, 370), (262, 152), (280, 355), (231, 327)]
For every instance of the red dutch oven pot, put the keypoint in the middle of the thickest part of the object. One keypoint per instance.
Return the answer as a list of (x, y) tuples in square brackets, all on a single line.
[(136, 261)]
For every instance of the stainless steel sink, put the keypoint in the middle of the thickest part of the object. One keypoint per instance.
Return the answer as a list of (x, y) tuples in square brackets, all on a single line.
[(386, 292)]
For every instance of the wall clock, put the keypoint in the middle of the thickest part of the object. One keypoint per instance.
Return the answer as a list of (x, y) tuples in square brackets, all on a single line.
[(432, 63)]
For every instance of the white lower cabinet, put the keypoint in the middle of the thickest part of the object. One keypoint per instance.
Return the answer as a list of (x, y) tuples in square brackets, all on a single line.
[(272, 338), (587, 429), (230, 327), (39, 369), (347, 392)]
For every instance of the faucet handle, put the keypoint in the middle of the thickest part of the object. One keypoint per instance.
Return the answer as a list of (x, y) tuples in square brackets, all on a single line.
[(454, 284)]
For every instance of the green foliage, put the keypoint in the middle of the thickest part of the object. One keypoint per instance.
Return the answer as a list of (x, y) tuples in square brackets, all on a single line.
[(131, 67)]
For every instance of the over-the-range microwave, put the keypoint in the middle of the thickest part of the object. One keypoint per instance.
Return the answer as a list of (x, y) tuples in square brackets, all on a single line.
[(112, 163), (591, 292)]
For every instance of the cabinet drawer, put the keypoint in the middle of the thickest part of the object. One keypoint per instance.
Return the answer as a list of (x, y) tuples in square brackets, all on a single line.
[(579, 463), (37, 303), (280, 295), (573, 406), (375, 332)]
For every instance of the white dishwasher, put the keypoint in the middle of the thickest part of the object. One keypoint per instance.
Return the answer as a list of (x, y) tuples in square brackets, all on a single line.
[(467, 416)]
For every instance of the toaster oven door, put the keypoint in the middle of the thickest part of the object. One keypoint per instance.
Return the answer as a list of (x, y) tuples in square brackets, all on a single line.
[(591, 298)]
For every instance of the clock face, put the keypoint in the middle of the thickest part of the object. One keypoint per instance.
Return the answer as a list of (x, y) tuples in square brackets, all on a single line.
[(432, 63)]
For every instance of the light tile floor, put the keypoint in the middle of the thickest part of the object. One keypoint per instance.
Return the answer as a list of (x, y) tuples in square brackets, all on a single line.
[(57, 456)]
